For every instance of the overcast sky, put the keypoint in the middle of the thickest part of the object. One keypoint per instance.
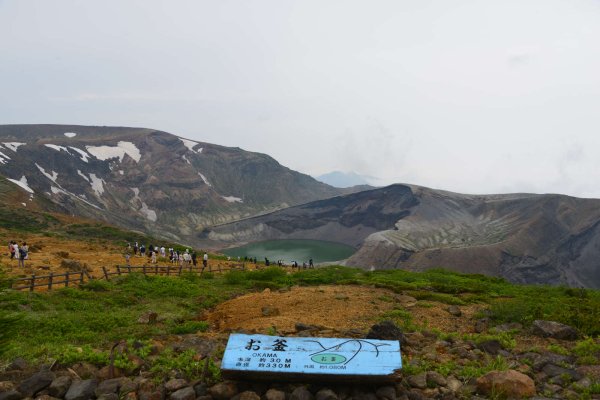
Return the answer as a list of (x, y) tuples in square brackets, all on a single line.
[(470, 96)]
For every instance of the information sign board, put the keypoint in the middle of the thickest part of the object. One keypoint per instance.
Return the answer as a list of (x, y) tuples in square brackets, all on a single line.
[(311, 358)]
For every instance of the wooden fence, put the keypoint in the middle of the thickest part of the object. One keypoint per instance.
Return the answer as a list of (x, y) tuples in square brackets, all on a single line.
[(51, 280), (77, 278), (172, 270)]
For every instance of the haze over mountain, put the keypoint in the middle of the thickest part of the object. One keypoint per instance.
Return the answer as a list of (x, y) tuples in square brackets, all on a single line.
[(147, 179)]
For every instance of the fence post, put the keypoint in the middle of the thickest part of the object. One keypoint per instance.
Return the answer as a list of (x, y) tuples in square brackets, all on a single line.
[(50, 280), (105, 273), (32, 284), (67, 279), (180, 268), (168, 270), (156, 269), (81, 278), (119, 269), (219, 265), (129, 268), (144, 269)]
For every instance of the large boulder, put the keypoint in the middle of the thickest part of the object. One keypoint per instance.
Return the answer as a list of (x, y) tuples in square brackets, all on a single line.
[(35, 383), (509, 383), (554, 330), (58, 388), (386, 330), (82, 390)]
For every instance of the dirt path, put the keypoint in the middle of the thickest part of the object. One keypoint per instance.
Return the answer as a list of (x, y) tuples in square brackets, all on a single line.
[(335, 309)]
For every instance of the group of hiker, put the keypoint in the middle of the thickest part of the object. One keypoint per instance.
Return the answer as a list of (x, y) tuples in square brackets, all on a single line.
[(177, 257), (281, 263), (20, 253)]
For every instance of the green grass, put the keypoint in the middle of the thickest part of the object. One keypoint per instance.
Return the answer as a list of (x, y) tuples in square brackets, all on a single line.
[(51, 325), (105, 312)]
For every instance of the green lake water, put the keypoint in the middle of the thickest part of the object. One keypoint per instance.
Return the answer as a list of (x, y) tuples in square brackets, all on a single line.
[(293, 250)]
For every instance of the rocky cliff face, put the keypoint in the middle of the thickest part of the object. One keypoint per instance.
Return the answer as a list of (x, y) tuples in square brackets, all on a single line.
[(523, 237), (149, 180)]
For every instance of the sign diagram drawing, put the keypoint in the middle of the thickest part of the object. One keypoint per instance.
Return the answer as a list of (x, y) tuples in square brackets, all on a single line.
[(328, 356)]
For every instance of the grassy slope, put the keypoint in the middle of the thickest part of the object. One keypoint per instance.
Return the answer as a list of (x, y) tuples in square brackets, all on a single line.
[(104, 312)]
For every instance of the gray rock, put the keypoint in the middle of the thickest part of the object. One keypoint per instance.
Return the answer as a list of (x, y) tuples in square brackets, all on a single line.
[(492, 346), (200, 389), (186, 393), (415, 394), (274, 394), (175, 384), (436, 379), (59, 386), (269, 311), (223, 390), (418, 381), (453, 384), (554, 330), (127, 386), (149, 317), (108, 396), (82, 390), (386, 330), (108, 386), (482, 325), (301, 393), (541, 360), (11, 395), (511, 326), (554, 370), (386, 393), (304, 327), (18, 364), (247, 395), (35, 383), (326, 394), (360, 395), (454, 310)]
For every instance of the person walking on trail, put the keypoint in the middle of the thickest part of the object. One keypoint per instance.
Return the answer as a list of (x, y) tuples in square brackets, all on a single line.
[(11, 248), (194, 257), (310, 263), (204, 261), (22, 255)]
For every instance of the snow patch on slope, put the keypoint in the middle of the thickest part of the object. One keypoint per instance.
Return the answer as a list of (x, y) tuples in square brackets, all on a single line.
[(97, 184), (3, 158), (47, 175), (22, 183), (13, 145), (57, 148), (70, 134), (148, 213), (204, 179), (106, 152), (84, 156), (186, 160), (82, 175), (232, 199), (190, 144)]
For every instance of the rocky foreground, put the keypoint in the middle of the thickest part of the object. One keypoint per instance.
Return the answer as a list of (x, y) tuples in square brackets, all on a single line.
[(432, 362)]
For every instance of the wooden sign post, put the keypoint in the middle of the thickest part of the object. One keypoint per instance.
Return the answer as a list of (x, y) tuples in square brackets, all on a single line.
[(261, 357)]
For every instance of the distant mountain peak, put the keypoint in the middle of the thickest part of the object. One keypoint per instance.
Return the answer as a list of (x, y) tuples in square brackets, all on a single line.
[(342, 179)]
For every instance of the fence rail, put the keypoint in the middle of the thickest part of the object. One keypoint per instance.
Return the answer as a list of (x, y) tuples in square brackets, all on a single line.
[(168, 270), (78, 278), (51, 280)]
